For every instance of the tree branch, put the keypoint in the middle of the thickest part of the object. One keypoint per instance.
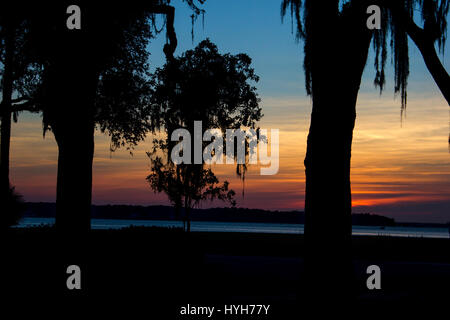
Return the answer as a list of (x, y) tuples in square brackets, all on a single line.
[(425, 44), (21, 104), (169, 11), (29, 106), (430, 57), (21, 99)]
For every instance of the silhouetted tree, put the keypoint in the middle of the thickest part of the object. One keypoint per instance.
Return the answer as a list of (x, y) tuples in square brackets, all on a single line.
[(95, 76), (201, 85), (336, 45)]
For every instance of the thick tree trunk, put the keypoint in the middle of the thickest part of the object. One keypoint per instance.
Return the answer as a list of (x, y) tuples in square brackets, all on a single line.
[(187, 212), (339, 53), (72, 89), (328, 192), (74, 183)]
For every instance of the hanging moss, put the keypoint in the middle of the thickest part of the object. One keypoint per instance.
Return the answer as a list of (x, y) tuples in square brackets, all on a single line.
[(433, 14)]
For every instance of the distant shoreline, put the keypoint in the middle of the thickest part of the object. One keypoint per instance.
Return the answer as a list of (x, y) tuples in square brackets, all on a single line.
[(239, 227), (159, 212)]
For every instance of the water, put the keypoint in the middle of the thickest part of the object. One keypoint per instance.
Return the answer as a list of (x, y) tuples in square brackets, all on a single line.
[(252, 227)]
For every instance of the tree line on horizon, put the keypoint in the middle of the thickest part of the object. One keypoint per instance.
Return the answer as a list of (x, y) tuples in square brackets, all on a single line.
[(219, 214)]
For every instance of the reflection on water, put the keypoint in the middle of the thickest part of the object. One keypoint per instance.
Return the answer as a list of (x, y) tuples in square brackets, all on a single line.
[(285, 228)]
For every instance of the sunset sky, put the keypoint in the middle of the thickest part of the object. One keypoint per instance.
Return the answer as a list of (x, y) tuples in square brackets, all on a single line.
[(400, 167)]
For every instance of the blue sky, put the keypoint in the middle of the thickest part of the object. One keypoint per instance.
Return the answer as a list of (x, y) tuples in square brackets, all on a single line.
[(254, 27)]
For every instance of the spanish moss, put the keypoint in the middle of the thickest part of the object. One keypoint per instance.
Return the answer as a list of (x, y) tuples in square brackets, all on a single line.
[(433, 15)]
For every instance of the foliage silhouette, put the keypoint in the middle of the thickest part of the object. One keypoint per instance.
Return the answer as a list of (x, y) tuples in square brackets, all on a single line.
[(336, 46), (20, 79), (201, 85), (93, 77), (187, 186)]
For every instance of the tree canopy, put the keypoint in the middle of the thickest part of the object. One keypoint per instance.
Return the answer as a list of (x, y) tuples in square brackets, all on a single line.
[(201, 85)]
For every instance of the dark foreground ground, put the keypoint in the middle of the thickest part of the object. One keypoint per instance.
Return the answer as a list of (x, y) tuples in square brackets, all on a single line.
[(153, 273)]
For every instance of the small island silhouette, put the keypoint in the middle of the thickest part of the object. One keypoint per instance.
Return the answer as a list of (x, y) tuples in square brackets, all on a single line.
[(160, 212)]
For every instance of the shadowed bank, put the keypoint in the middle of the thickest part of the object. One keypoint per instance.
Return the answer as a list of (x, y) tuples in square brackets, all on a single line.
[(161, 270)]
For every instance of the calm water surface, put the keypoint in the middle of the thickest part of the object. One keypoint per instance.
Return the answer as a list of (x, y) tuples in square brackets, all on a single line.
[(284, 228)]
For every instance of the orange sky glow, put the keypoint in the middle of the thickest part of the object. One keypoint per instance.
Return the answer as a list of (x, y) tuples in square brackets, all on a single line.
[(396, 164)]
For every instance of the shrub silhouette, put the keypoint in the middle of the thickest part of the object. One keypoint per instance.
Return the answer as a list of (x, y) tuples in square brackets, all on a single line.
[(13, 207), (200, 85)]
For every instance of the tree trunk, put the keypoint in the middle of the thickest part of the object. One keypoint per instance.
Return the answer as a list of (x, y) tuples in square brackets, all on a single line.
[(5, 150), (6, 112), (74, 182), (339, 52), (72, 89), (187, 212), (328, 193)]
